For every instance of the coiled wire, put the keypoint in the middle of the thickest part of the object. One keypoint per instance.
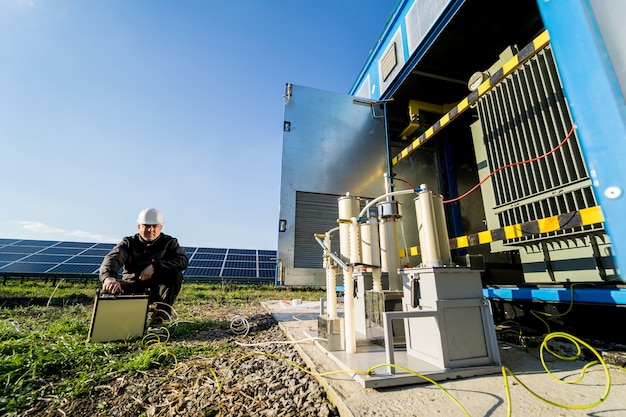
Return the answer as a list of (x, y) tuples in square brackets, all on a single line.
[(239, 325)]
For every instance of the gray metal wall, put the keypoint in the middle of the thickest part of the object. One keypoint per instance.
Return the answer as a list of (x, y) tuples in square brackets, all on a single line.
[(332, 145)]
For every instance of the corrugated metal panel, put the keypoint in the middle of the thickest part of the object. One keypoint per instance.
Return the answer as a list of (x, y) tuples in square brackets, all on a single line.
[(315, 213)]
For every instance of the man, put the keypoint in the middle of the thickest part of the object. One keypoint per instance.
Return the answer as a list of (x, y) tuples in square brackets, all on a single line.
[(153, 262)]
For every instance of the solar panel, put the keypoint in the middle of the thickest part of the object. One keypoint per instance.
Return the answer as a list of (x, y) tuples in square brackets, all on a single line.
[(40, 243), (242, 251), (213, 256), (205, 272), (212, 250), (95, 252), (84, 258), (237, 257), (11, 256), (20, 249), (233, 272), (27, 267), (80, 259), (240, 264), (205, 264), (75, 245), (107, 246), (267, 273), (60, 251), (54, 259), (74, 269)]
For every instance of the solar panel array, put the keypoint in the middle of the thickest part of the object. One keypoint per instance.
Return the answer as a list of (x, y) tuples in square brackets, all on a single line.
[(19, 257)]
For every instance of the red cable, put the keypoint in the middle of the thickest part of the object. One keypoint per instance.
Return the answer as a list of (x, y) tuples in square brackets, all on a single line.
[(571, 132)]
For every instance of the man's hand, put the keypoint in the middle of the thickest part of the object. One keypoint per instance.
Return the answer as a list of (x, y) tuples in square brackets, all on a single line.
[(146, 274), (111, 286)]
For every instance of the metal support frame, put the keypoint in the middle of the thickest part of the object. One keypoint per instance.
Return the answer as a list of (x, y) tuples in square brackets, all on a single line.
[(487, 320), (388, 316)]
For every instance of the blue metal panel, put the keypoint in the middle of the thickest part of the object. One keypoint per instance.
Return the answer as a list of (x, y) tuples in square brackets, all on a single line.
[(613, 296), (596, 103), (396, 21)]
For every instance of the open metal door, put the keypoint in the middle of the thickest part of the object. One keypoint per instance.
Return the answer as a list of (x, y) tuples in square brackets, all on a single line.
[(333, 144)]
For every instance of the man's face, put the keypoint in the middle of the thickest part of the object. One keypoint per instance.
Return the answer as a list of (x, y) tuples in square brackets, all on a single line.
[(149, 232)]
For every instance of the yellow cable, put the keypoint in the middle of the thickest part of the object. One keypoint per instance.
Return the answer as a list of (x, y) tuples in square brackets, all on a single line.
[(424, 377), (544, 346)]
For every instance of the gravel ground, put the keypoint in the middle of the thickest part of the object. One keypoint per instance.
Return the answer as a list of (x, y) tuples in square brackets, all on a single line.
[(264, 379)]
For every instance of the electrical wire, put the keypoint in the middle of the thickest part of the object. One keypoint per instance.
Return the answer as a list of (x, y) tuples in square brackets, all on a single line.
[(240, 324), (407, 183), (544, 346), (512, 164), (280, 342)]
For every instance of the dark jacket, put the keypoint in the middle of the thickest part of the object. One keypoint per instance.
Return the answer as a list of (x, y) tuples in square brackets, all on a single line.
[(134, 254)]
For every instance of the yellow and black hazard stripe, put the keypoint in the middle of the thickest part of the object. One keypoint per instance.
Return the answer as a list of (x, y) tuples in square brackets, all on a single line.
[(528, 51), (584, 217)]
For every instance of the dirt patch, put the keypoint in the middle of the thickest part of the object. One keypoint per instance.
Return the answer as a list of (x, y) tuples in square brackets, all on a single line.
[(262, 376)]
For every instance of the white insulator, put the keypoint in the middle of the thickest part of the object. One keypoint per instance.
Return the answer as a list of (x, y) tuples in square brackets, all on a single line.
[(442, 230), (331, 292), (370, 244), (348, 306), (426, 226), (389, 254), (355, 242), (348, 208), (377, 280)]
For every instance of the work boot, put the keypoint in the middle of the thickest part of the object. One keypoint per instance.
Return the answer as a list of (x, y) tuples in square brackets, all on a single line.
[(158, 319)]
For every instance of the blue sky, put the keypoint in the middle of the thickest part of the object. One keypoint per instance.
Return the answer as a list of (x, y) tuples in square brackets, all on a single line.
[(109, 107)]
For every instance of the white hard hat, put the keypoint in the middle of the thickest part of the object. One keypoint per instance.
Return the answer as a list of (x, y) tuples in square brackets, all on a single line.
[(150, 216)]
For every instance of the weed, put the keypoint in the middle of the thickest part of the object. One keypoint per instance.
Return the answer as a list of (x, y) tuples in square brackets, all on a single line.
[(43, 332)]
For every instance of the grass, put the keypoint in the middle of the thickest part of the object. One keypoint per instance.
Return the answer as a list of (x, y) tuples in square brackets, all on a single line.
[(43, 331)]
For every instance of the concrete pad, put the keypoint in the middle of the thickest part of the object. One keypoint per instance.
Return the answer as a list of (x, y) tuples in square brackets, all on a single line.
[(482, 395)]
